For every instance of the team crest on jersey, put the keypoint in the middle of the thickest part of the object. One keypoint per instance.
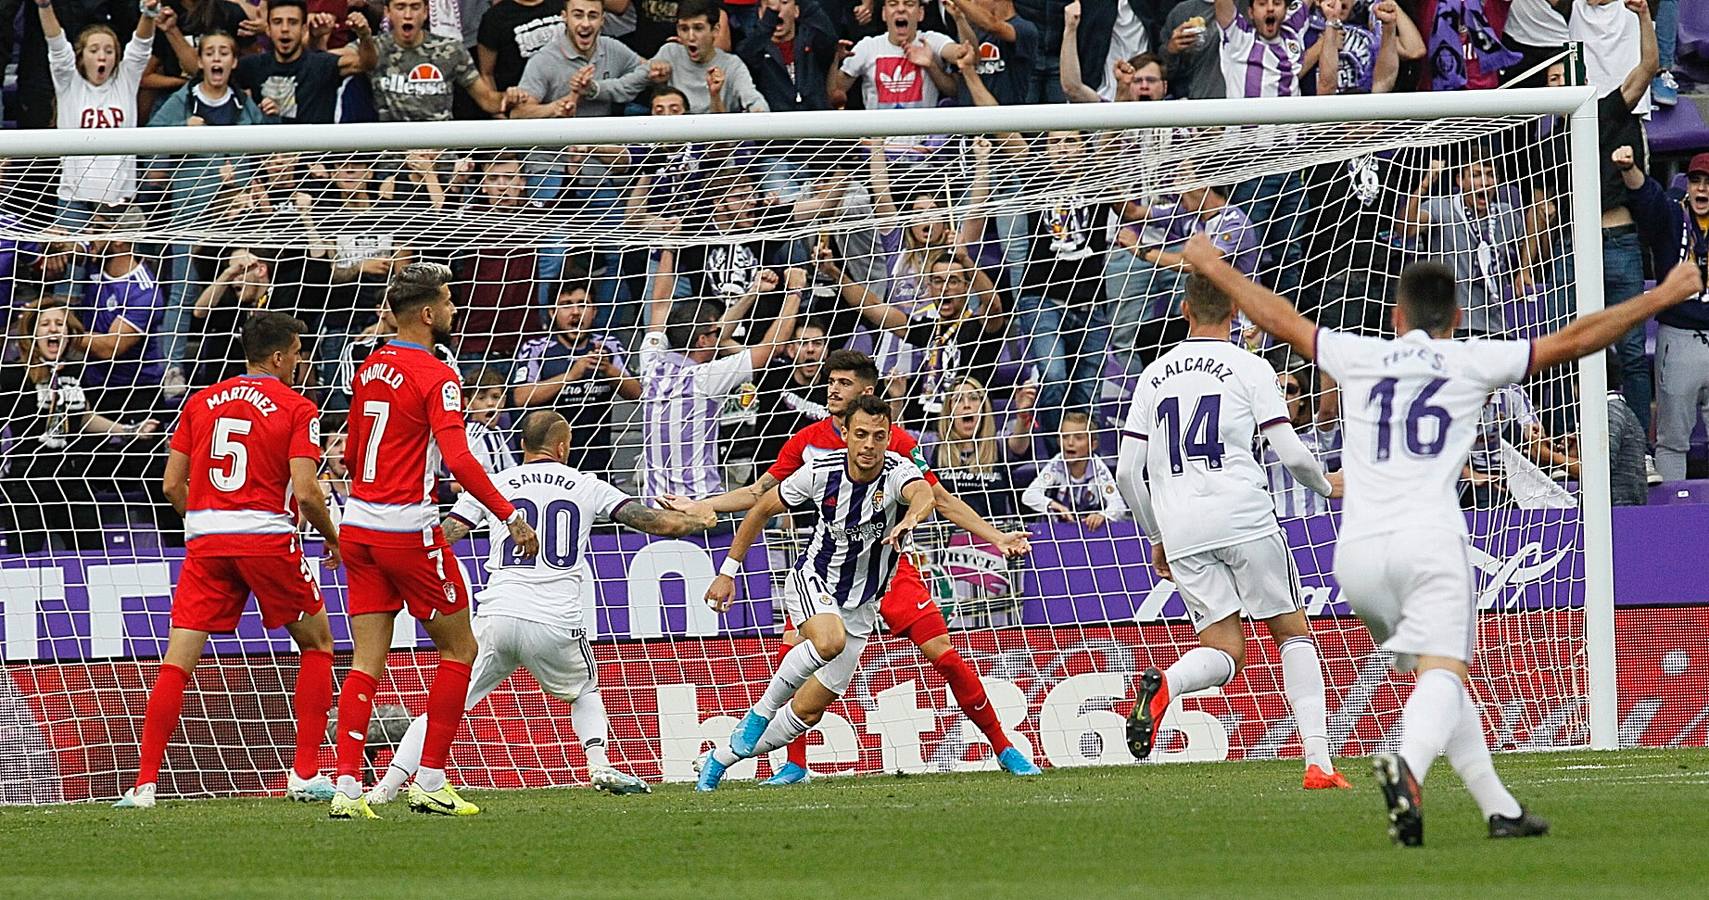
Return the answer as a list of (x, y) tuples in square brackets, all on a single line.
[(1293, 47), (877, 499), (450, 397), (450, 592)]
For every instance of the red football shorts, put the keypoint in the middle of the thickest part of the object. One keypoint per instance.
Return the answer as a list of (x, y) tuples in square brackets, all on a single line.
[(425, 580), (908, 608), (212, 591)]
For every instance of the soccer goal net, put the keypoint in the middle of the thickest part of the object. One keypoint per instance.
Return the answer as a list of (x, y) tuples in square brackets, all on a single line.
[(1009, 270)]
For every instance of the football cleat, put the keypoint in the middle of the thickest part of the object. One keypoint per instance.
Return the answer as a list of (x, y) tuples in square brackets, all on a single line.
[(318, 789), (345, 808), (381, 794), (1148, 709), (443, 802), (1016, 763), (1317, 780), (1404, 798), (747, 734), (1526, 824), (142, 797), (619, 783), (789, 774), (711, 772)]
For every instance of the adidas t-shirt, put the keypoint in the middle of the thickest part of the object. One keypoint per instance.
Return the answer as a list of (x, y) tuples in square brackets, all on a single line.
[(888, 79)]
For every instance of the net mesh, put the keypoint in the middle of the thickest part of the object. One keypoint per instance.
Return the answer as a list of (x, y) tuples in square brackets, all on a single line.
[(1004, 283)]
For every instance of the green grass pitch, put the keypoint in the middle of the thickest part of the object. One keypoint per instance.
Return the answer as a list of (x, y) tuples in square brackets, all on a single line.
[(1625, 824)]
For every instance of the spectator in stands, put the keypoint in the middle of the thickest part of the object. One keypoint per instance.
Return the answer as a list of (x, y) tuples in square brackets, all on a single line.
[(1347, 59), (1193, 52), (363, 254), (1140, 77), (789, 55), (495, 285), (1146, 279), (483, 401), (655, 26), (581, 72), (96, 87), (1620, 47), (1320, 429), (242, 288), (124, 307), (335, 475), (730, 260), (1465, 49), (1005, 46), (1511, 437), (1627, 441), (1350, 259), (352, 354), (56, 434), (685, 383), (1076, 485), (1664, 91), (1062, 312), (904, 68), (959, 329), (578, 373), (1537, 31), (413, 74), (713, 80), (511, 32), (209, 100), (1104, 38), (792, 391), (178, 32), (1675, 231), (972, 459), (1481, 235), (295, 82)]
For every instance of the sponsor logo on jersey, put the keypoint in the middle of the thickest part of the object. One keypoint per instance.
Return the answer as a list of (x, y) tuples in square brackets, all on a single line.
[(314, 432), (423, 80)]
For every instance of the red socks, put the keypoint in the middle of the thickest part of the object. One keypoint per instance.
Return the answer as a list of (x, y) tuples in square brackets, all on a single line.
[(444, 711), (797, 747), (970, 693), (355, 708), (165, 701), (311, 703)]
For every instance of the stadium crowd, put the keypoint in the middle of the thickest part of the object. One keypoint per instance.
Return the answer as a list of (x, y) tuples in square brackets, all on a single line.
[(1009, 340)]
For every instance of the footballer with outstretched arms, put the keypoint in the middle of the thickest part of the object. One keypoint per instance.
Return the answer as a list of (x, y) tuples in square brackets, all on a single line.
[(907, 607), (242, 465), (536, 613), (406, 415), (869, 499), (1411, 406), (1188, 470)]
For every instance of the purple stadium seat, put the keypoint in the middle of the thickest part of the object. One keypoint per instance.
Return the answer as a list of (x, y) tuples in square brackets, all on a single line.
[(1678, 493), (1694, 30), (1678, 129)]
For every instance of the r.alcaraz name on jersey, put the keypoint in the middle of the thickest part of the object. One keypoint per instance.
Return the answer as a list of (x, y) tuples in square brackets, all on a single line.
[(240, 436), (562, 505), (406, 414), (847, 553)]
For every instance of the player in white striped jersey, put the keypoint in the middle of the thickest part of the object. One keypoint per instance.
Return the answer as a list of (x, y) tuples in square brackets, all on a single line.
[(1190, 433), (1411, 407), (833, 592), (534, 612)]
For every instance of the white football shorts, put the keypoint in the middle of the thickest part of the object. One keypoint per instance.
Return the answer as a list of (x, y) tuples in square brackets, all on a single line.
[(805, 596), (560, 659), (1414, 591), (1256, 577)]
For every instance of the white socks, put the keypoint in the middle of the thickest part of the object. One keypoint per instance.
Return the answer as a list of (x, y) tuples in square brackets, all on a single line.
[(407, 757), (797, 666), (1302, 680), (430, 779), (587, 717), (350, 787), (1197, 669), (1432, 714), (785, 727), (1469, 755)]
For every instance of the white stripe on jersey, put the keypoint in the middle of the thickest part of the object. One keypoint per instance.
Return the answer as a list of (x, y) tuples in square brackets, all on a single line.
[(199, 522), (562, 505), (398, 518), (1199, 408), (847, 553)]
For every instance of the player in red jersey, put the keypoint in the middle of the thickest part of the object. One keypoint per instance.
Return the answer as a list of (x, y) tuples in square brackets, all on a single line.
[(242, 463), (907, 607), (406, 412)]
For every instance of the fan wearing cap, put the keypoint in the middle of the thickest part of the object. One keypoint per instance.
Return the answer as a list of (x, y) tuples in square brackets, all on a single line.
[(1675, 231)]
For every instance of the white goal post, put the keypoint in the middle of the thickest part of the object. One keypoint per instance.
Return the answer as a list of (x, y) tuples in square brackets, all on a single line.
[(698, 671)]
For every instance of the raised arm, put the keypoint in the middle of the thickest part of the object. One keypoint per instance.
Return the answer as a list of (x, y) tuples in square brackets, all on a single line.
[(783, 327), (1073, 86), (738, 500), (1638, 80), (1601, 329), (1413, 217), (362, 55), (878, 170), (1265, 308), (958, 512)]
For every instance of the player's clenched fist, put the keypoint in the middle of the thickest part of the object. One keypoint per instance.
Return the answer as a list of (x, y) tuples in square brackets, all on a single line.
[(721, 593), (523, 536)]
